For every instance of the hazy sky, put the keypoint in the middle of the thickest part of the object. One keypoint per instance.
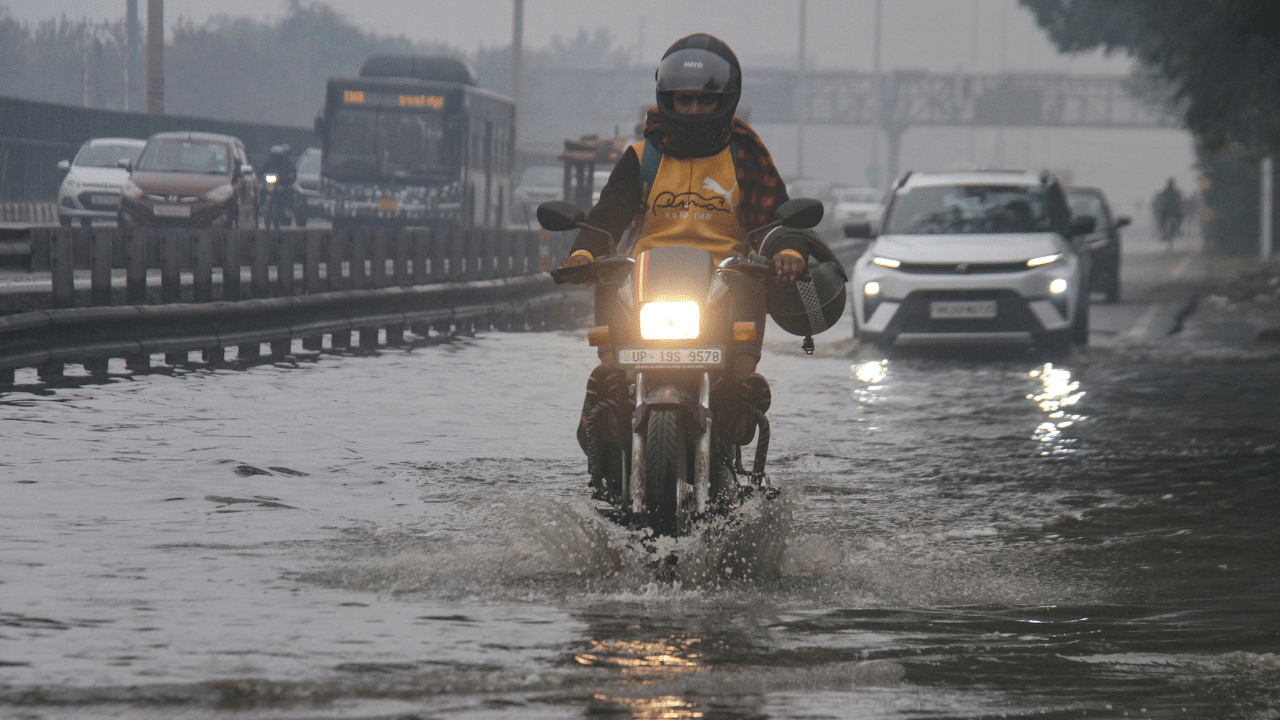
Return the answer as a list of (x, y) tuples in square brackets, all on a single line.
[(940, 35)]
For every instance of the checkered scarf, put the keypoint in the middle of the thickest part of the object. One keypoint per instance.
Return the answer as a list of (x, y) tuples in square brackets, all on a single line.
[(758, 180)]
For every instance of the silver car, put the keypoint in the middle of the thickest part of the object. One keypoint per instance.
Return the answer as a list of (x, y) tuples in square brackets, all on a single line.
[(984, 256), (91, 189)]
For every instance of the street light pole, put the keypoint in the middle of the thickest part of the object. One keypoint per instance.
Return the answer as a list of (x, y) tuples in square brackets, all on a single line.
[(802, 109), (517, 61), (155, 57)]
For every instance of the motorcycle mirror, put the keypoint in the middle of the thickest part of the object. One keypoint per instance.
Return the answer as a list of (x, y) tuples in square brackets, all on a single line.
[(799, 213), (558, 215)]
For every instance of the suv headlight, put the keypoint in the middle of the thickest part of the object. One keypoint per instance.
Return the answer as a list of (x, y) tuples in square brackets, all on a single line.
[(219, 194), (669, 320), (1044, 260), (71, 182)]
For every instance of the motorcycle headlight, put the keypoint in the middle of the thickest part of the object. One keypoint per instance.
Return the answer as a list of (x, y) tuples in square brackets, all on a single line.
[(219, 194), (669, 320), (270, 178)]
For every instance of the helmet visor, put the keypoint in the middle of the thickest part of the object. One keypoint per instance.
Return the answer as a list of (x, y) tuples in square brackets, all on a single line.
[(694, 69)]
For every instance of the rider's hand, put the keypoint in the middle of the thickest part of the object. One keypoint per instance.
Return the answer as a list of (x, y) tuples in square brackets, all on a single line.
[(787, 265)]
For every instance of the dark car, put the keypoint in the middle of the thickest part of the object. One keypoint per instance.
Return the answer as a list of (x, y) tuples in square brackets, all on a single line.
[(190, 179), (1104, 242), (308, 202)]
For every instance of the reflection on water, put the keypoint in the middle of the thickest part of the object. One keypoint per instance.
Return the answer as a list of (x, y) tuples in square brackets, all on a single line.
[(643, 656), (1059, 393)]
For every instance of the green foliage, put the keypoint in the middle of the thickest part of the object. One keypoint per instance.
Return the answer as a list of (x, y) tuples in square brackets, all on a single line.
[(1221, 56)]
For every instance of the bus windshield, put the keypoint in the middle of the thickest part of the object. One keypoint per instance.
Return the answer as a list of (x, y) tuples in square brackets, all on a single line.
[(388, 144)]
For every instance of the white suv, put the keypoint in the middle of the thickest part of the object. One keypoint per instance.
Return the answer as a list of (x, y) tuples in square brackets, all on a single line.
[(981, 256)]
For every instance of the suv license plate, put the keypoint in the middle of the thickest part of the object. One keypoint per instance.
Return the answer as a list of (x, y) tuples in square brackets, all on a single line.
[(671, 357), (104, 199), (962, 309), (173, 211)]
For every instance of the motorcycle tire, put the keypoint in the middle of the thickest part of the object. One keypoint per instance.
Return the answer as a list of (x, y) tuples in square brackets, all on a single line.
[(666, 472)]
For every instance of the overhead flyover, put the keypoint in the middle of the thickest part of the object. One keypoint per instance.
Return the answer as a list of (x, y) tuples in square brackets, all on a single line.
[(899, 100)]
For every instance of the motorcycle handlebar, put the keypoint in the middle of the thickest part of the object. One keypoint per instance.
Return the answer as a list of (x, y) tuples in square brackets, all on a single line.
[(592, 271)]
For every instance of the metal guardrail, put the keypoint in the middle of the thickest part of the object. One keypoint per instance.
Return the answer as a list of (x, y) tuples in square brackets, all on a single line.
[(275, 287), (36, 213)]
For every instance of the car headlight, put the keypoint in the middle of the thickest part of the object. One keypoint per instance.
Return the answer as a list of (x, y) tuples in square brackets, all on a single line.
[(219, 194), (130, 189), (71, 182), (669, 320), (871, 288), (885, 262), (1044, 260), (1057, 286)]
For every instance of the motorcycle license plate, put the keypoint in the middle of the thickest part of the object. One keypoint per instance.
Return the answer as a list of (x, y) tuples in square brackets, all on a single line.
[(173, 211), (671, 357), (962, 310)]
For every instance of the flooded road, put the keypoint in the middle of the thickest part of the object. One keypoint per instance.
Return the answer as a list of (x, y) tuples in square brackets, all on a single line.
[(410, 535)]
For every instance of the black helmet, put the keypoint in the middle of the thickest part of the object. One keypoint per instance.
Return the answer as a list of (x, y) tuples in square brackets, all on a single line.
[(699, 62), (816, 300)]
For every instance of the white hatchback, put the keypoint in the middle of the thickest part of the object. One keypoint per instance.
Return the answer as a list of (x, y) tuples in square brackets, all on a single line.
[(91, 189), (983, 256)]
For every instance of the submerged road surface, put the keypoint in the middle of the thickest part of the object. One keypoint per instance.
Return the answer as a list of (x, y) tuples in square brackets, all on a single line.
[(409, 535)]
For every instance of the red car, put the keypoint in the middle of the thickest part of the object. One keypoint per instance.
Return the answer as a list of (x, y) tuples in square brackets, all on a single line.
[(190, 179)]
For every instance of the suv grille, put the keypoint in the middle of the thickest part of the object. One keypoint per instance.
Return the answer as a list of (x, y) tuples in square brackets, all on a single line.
[(961, 268)]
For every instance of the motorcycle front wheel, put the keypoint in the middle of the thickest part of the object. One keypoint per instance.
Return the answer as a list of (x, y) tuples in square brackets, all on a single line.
[(666, 474)]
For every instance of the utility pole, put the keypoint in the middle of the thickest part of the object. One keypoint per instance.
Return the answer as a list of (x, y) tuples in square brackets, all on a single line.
[(874, 172), (155, 57), (132, 70), (802, 109), (517, 61)]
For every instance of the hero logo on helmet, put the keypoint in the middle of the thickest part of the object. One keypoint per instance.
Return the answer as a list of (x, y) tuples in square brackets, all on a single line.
[(693, 64)]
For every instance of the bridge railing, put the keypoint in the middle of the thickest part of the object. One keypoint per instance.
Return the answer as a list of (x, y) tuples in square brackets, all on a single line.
[(176, 292)]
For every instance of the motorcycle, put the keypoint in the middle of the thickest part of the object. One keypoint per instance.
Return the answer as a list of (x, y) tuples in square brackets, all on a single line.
[(664, 442), (277, 202)]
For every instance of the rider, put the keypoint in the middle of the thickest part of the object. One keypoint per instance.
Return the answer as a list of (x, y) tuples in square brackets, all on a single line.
[(280, 165), (1168, 207), (705, 153)]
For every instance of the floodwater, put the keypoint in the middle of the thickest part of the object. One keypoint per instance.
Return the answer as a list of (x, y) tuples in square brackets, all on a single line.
[(409, 535)]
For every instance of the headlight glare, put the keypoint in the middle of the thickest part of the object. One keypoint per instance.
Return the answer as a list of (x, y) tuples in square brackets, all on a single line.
[(1058, 286), (885, 262), (270, 178), (871, 288), (1044, 260), (669, 320)]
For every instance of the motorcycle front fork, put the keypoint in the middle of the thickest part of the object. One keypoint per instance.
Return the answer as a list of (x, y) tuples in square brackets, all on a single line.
[(633, 481)]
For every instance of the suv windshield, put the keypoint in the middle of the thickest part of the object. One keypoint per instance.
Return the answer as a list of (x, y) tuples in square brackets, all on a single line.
[(107, 155), (187, 156), (972, 209)]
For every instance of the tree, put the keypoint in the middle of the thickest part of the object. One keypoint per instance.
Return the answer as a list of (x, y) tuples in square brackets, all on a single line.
[(1221, 57)]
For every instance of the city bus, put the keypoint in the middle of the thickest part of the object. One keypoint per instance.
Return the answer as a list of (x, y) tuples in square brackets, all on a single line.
[(413, 142)]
